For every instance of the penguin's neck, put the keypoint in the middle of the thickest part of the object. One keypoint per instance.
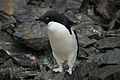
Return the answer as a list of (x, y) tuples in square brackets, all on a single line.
[(54, 27), (57, 30)]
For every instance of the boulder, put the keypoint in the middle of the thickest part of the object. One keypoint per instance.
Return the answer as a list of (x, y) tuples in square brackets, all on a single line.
[(33, 35), (108, 42), (106, 73), (111, 57)]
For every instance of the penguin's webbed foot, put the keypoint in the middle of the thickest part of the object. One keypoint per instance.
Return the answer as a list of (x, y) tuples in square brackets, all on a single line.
[(69, 71), (60, 69)]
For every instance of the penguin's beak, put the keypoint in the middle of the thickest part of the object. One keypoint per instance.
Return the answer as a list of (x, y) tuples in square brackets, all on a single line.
[(41, 18)]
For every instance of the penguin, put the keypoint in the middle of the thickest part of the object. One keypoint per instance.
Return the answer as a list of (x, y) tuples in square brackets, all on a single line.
[(63, 40)]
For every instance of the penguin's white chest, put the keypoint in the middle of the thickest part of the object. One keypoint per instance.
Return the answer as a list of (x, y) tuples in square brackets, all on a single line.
[(62, 42)]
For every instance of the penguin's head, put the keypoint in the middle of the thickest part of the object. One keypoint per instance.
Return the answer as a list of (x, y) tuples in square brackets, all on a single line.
[(49, 16), (56, 17)]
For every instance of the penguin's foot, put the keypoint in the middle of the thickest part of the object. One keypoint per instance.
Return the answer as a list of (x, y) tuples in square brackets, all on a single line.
[(60, 69), (69, 71)]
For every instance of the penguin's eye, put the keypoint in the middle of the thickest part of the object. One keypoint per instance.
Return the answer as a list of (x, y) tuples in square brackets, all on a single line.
[(47, 18)]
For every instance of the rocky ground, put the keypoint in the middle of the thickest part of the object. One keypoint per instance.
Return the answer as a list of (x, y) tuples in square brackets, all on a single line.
[(25, 52)]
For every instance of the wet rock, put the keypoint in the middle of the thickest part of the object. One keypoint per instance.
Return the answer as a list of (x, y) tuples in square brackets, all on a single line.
[(108, 42), (33, 35), (106, 73)]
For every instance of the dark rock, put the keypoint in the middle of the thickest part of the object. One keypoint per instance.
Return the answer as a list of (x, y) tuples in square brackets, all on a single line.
[(7, 64), (6, 21), (71, 16), (0, 25), (34, 35), (91, 31), (35, 2), (84, 41), (108, 42), (50, 75), (71, 5), (113, 33), (1, 6), (111, 57), (49, 3), (40, 76), (5, 41), (95, 58), (10, 6), (28, 13), (27, 75), (5, 74), (81, 71), (84, 33), (106, 73), (87, 52)]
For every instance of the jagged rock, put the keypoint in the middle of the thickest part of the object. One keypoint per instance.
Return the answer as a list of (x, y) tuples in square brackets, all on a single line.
[(87, 52), (6, 21), (108, 42), (91, 31), (72, 5), (26, 75), (9, 6), (81, 71), (28, 13), (5, 74), (106, 73), (33, 35), (50, 75), (84, 41), (1, 6), (35, 2), (0, 25), (5, 41), (111, 57), (113, 33)]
